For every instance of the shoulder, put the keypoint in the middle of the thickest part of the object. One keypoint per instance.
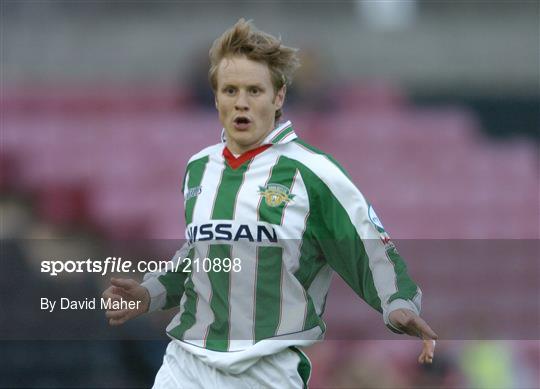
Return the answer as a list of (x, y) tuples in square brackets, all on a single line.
[(319, 163), (324, 177), (199, 160), (206, 152)]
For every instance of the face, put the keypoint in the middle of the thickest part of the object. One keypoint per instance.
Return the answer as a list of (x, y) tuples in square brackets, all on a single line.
[(246, 102)]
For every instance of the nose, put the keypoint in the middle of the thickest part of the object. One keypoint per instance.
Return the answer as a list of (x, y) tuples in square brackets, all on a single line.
[(241, 103)]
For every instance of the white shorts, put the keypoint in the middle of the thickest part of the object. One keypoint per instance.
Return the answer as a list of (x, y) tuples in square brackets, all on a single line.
[(289, 368)]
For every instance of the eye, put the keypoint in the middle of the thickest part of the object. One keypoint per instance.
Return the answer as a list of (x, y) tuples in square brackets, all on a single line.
[(229, 90), (254, 91)]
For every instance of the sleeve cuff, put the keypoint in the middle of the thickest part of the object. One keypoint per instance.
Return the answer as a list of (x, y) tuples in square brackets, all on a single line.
[(412, 305), (157, 292)]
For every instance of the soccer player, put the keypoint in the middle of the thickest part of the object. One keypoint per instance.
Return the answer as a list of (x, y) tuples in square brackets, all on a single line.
[(269, 219)]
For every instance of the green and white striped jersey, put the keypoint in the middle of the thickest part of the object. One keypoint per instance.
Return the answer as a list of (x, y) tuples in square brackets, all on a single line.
[(292, 216)]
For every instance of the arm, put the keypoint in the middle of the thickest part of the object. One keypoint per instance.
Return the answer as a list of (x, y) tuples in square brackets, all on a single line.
[(166, 288), (158, 291), (358, 248)]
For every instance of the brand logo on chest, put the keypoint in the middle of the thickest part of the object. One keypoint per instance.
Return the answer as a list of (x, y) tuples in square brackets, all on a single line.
[(193, 192)]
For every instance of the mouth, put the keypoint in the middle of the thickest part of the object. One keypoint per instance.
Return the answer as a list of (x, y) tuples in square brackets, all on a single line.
[(241, 123)]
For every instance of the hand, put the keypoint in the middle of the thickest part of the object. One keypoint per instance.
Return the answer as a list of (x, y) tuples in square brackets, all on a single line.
[(126, 290), (412, 324)]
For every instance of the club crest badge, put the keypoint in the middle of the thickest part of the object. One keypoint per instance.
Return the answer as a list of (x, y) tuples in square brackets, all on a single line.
[(275, 194)]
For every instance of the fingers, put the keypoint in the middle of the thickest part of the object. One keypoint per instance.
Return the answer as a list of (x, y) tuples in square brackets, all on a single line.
[(121, 292), (125, 283), (110, 293), (423, 330), (412, 324), (429, 337), (116, 314), (428, 352), (123, 287), (117, 318)]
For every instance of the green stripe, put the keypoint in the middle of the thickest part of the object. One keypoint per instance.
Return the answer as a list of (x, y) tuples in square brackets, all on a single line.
[(187, 319), (196, 171), (283, 174), (312, 319), (218, 333), (304, 366), (174, 285), (407, 289), (230, 183), (268, 291), (330, 236), (312, 257), (284, 132)]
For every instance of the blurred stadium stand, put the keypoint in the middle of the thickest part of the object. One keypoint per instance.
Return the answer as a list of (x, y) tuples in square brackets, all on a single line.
[(435, 116), (118, 160)]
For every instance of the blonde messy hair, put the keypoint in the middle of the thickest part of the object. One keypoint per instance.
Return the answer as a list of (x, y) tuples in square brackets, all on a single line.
[(245, 39)]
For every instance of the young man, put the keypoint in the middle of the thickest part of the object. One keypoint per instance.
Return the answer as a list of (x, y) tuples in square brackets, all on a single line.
[(275, 218)]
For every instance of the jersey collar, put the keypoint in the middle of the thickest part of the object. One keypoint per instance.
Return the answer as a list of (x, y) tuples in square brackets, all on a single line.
[(284, 133)]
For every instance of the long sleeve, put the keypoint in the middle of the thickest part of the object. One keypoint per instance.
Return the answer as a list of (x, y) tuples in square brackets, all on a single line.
[(166, 288), (355, 244)]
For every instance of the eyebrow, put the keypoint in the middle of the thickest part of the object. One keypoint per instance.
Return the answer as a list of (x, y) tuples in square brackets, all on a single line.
[(260, 86)]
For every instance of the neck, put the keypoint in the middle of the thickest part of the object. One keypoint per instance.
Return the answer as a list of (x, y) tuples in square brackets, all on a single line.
[(235, 148), (239, 150)]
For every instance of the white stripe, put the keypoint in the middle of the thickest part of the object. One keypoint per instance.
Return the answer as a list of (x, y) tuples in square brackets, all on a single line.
[(214, 149), (294, 301), (203, 314), (293, 305), (289, 137), (242, 308), (236, 198), (243, 283), (319, 288), (211, 179), (273, 133), (202, 213), (294, 221), (356, 207), (248, 195)]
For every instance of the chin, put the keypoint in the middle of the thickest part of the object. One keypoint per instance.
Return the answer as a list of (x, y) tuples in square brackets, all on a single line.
[(242, 137), (244, 142)]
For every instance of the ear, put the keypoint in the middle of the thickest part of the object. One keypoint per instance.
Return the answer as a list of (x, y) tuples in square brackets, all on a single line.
[(280, 97), (215, 102)]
